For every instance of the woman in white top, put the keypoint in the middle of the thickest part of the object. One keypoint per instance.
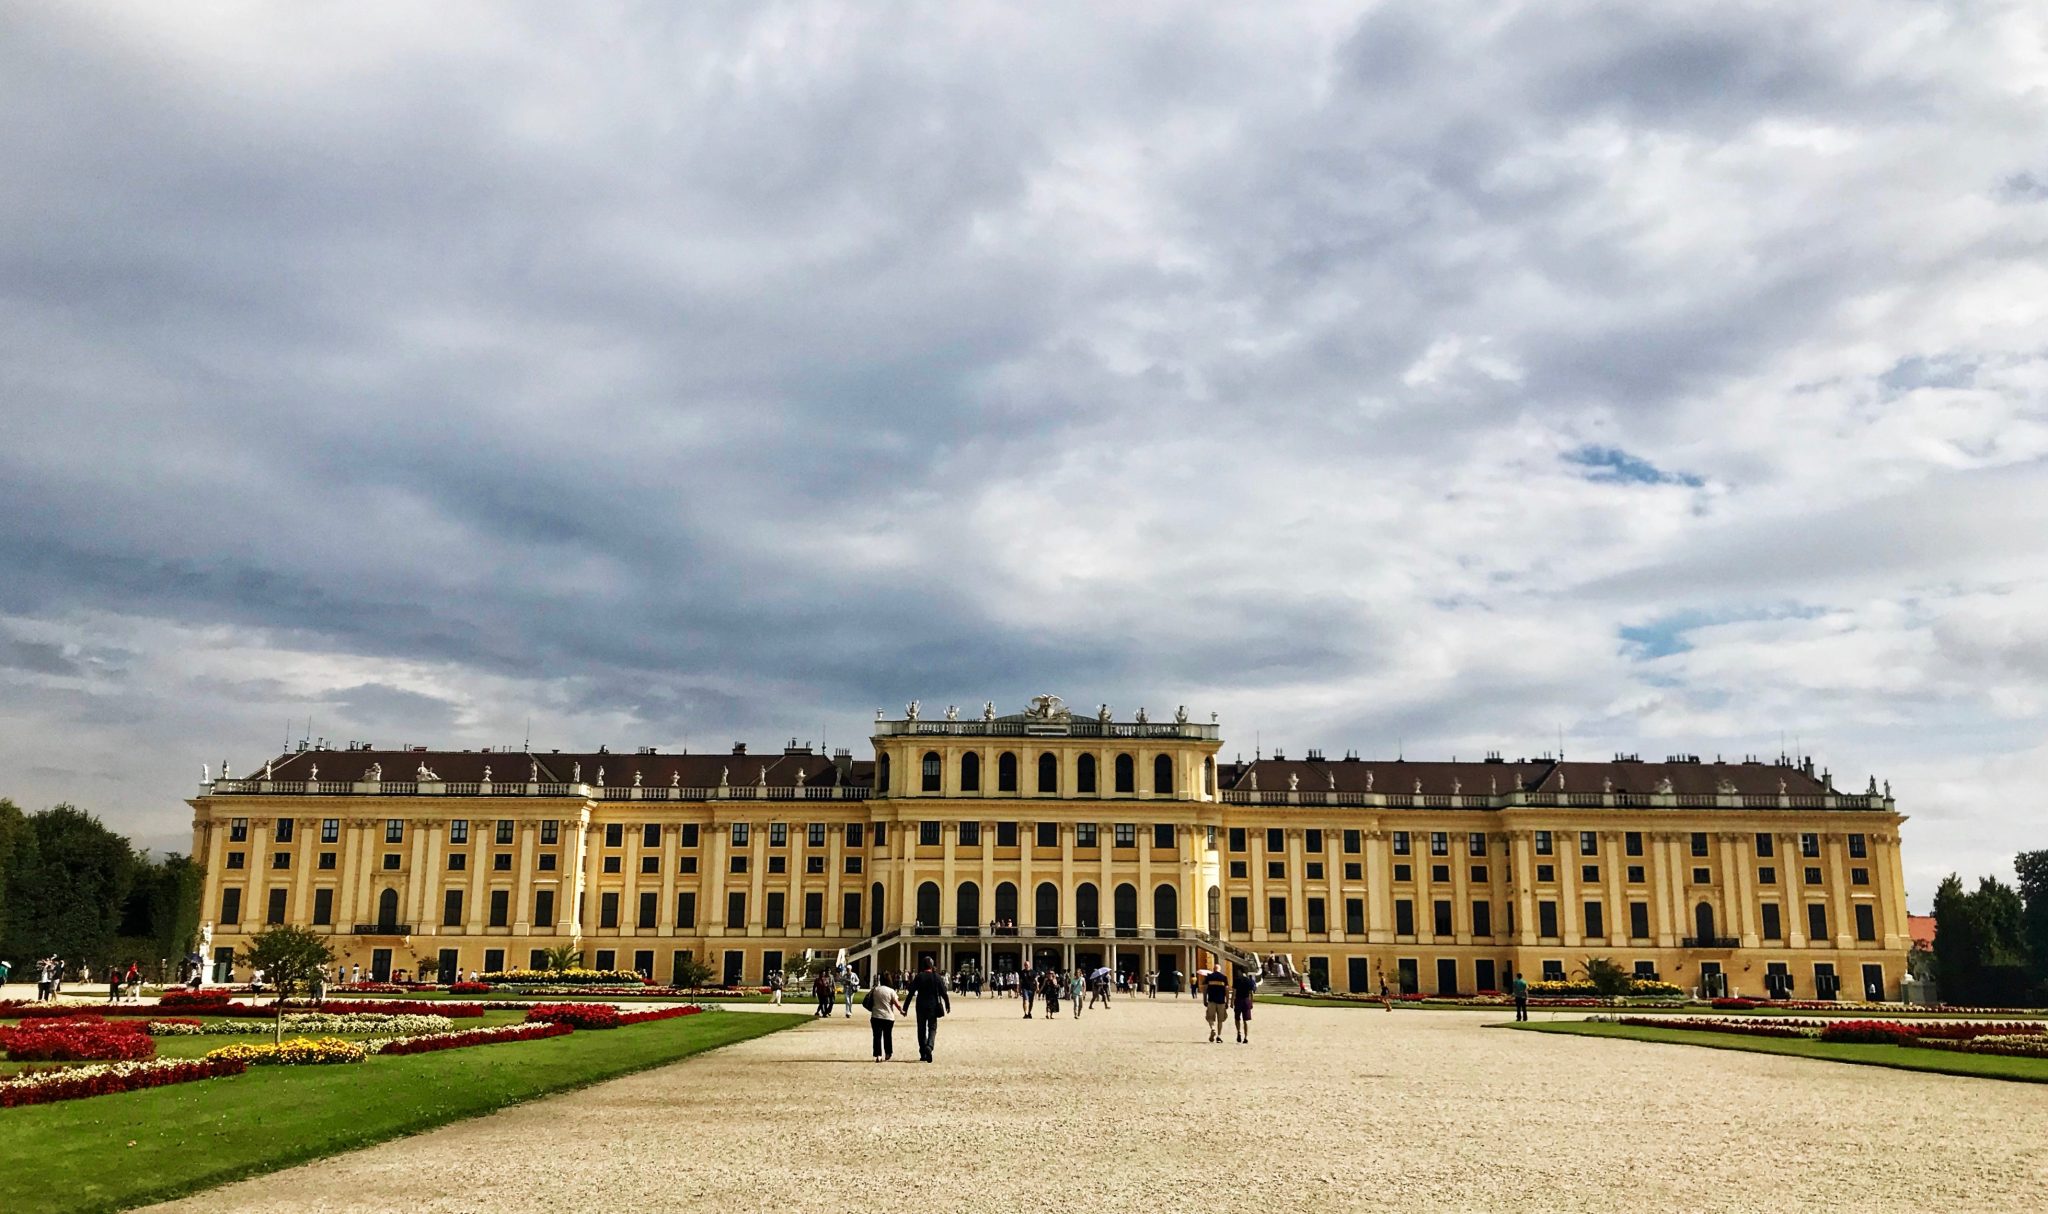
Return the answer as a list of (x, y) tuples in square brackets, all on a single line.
[(883, 1009)]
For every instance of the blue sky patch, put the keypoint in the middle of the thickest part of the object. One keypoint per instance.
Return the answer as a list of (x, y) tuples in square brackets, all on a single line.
[(1612, 464)]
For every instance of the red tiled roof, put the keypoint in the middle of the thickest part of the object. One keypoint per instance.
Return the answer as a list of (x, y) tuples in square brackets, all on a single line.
[(1922, 929)]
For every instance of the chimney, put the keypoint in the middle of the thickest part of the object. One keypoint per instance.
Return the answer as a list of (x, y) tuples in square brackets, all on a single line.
[(739, 748), (842, 759)]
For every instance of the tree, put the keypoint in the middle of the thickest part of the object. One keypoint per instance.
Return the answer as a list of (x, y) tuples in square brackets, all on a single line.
[(17, 854), (562, 957), (692, 973), (289, 957), (1980, 942), (2032, 867), (1607, 977), (66, 883)]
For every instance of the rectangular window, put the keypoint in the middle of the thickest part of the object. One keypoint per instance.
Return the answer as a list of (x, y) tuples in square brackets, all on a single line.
[(742, 833), (1766, 847), (494, 960), (735, 909), (1699, 843), (814, 865), (237, 859), (1866, 921), (1237, 838), (1857, 876), (1006, 834), (285, 826), (1238, 870), (607, 958), (1482, 919), (615, 834), (1404, 872), (1546, 873), (327, 859), (927, 834), (1240, 915), (1401, 844), (274, 913), (1546, 920), (1315, 870), (1439, 843), (1276, 839), (501, 907), (1317, 916), (608, 909), (330, 830), (814, 835), (738, 864), (1596, 922), (853, 864), (451, 908), (1589, 843), (1354, 842), (551, 831), (776, 904), (1479, 873), (814, 911), (1440, 872), (1084, 834), (1276, 870), (238, 830), (1440, 914), (1589, 873), (544, 908), (1632, 843), (1354, 871), (283, 859), (778, 834), (686, 864), (1639, 921), (1543, 844), (690, 834), (1354, 916), (1635, 874), (1767, 875), (1276, 916), (391, 861), (1773, 930), (504, 830), (1126, 834), (650, 864), (1858, 849), (1813, 876), (1809, 846), (1404, 917), (849, 912), (323, 907), (1048, 836), (458, 830), (650, 834), (394, 830), (648, 913), (1816, 921), (1475, 843), (1553, 971), (1703, 876), (1162, 836), (686, 910), (1312, 841), (856, 833)]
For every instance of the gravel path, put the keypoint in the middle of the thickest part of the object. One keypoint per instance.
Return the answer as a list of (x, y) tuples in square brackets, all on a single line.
[(1130, 1110)]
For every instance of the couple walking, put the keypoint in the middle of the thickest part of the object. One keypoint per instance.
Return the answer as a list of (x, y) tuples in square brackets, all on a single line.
[(925, 995)]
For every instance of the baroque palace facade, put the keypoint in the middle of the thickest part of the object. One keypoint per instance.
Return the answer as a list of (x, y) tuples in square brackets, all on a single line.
[(1054, 838)]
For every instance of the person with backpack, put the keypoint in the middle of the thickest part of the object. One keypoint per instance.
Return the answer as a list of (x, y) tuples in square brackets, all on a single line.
[(884, 1007)]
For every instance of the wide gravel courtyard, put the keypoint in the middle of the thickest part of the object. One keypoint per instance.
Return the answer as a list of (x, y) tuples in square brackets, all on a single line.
[(1130, 1109)]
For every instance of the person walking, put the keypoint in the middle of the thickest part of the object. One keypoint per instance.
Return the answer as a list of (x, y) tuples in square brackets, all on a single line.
[(1521, 997), (1215, 1002), (1386, 999), (1241, 1004), (928, 1000), (884, 1007), (1074, 986), (850, 981), (1027, 988), (775, 985), (113, 983), (821, 990)]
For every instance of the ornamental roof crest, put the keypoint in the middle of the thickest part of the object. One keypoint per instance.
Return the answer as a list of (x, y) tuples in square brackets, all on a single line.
[(1047, 708)]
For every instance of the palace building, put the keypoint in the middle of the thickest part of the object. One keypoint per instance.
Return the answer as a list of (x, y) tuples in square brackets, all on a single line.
[(1067, 839)]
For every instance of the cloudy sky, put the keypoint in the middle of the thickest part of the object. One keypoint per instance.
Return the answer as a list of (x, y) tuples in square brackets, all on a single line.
[(1430, 376)]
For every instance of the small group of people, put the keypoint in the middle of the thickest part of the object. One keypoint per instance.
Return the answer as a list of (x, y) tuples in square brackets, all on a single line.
[(1227, 998), (826, 987), (892, 996), (50, 979)]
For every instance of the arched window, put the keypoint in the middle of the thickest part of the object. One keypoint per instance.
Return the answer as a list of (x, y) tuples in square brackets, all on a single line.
[(928, 907), (970, 772), (1006, 772), (933, 767), (1215, 908), (1162, 776), (882, 773), (1703, 923), (1084, 774), (387, 908), (967, 905), (1006, 903), (1126, 774), (1166, 909), (1087, 909), (876, 908), (1209, 777), (1048, 775), (1126, 911), (1048, 909)]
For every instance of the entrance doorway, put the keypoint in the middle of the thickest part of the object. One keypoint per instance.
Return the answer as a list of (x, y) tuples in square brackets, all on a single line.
[(1319, 973), (1358, 974), (380, 964), (1169, 973), (1483, 976), (1713, 983), (1411, 982), (735, 966), (1446, 976), (1873, 983), (451, 962)]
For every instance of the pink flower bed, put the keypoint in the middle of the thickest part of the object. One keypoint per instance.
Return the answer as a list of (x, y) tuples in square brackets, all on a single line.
[(454, 1041), (71, 1083)]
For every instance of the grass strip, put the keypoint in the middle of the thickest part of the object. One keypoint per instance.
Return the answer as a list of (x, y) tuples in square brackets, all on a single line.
[(1896, 1057), (113, 1152)]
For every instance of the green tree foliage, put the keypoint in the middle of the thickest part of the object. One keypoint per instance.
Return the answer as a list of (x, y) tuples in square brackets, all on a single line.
[(693, 973), (67, 883), (289, 957), (562, 957), (1980, 947), (1607, 977), (2032, 867), (17, 843)]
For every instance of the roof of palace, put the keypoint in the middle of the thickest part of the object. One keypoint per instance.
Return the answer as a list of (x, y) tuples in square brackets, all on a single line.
[(612, 769), (1688, 777)]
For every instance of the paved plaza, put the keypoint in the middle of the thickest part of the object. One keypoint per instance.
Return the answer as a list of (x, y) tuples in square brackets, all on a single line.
[(1131, 1110)]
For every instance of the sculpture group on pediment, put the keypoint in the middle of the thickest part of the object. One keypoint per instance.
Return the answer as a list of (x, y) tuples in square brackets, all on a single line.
[(1047, 707)]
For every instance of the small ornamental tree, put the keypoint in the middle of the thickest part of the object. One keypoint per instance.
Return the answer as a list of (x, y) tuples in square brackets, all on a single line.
[(289, 957), (692, 973), (562, 957), (1607, 978)]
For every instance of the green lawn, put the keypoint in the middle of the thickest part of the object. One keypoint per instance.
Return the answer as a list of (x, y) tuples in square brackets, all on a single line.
[(110, 1152), (1898, 1057)]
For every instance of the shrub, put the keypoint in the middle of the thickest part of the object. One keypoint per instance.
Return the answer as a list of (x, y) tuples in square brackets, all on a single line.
[(71, 1083), (576, 1015)]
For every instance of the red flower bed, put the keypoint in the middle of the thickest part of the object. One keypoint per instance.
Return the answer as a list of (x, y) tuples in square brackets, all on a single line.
[(370, 988), (45, 1087), (388, 1007), (1737, 1028), (576, 1015), (1892, 1032), (80, 1039), (469, 988), (1734, 1005), (455, 1041), (659, 1013), (194, 1000), (1867, 1032)]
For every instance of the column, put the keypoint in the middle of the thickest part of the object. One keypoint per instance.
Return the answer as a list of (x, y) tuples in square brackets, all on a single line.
[(1525, 893), (1255, 865), (1614, 867), (415, 910), (1665, 889), (711, 882), (1736, 871), (1027, 904), (1379, 895), (479, 867), (255, 909), (1571, 911), (835, 891), (949, 890), (664, 913), (593, 871), (1841, 920), (1795, 898), (757, 873), (526, 845), (1333, 898), (1461, 888), (1067, 924), (1297, 888)]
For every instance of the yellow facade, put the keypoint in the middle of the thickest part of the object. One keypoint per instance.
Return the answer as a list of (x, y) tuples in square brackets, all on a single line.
[(1118, 843)]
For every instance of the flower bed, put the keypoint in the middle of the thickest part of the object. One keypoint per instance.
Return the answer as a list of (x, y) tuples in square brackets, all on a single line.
[(77, 1039), (369, 988), (2013, 1045), (299, 1051), (467, 1037), (1738, 1028), (383, 1007), (406, 1025), (469, 988), (74, 1082), (659, 1013), (1734, 1005), (568, 977), (590, 992), (576, 1015)]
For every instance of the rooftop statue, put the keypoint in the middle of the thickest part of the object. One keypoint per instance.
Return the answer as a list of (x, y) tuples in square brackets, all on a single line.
[(1293, 782), (1368, 779), (1333, 780), (1456, 785), (576, 772), (636, 778), (1048, 708), (266, 769), (600, 777), (675, 779), (487, 773), (1725, 786), (316, 773), (910, 711), (1142, 718), (1606, 783), (1255, 779), (1102, 713), (952, 712), (1418, 787), (988, 710), (1180, 715), (1664, 787), (533, 771)]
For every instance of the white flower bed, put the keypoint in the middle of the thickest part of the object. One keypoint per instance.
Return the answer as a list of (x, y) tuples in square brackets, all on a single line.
[(309, 1023)]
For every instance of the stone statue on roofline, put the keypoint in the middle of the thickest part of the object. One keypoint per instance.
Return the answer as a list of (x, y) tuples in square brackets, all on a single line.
[(266, 769), (533, 772), (1725, 786), (1606, 784), (1293, 782), (1368, 779), (1102, 713), (1180, 715), (763, 781), (205, 774), (1333, 780), (487, 773), (952, 712), (315, 773), (799, 777), (1456, 785), (988, 710), (1418, 786), (910, 711), (636, 778), (576, 772), (1142, 718), (1782, 787), (224, 769), (675, 779), (724, 775), (600, 777), (1255, 779), (1664, 787)]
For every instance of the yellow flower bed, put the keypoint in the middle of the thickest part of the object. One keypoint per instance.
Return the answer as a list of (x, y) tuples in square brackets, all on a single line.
[(299, 1051)]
